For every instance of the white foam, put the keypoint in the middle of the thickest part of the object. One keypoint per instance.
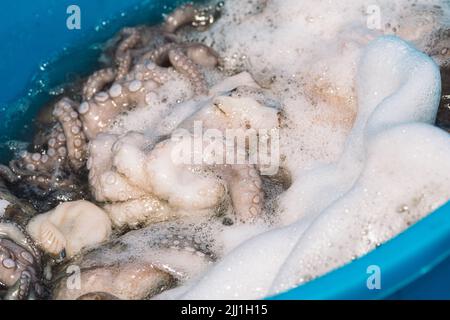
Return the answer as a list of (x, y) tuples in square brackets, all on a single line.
[(390, 162), (396, 84), (311, 49), (404, 178), (249, 270), (356, 134)]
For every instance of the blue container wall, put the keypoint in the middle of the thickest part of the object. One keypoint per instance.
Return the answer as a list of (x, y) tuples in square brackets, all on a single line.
[(32, 32), (413, 265), (33, 35), (39, 52)]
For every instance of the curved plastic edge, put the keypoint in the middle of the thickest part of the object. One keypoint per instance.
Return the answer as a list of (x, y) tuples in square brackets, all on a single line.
[(401, 260)]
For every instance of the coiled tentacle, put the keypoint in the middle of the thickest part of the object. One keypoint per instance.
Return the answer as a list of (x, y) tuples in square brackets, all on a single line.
[(131, 38), (97, 81)]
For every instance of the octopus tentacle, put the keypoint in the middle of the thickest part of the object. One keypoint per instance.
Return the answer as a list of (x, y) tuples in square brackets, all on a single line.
[(160, 55), (123, 65), (75, 139), (108, 185), (122, 280), (19, 263), (65, 140), (185, 58), (129, 160), (19, 236), (245, 185), (30, 164), (35, 161), (21, 290), (131, 38), (143, 187), (197, 53), (150, 71), (96, 114), (243, 180), (7, 174), (200, 18), (186, 66), (182, 16), (66, 145), (42, 179), (145, 210), (202, 55), (97, 81), (23, 173), (56, 151), (119, 177)]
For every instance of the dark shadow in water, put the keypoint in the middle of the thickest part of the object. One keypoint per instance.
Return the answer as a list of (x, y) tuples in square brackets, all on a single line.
[(443, 116)]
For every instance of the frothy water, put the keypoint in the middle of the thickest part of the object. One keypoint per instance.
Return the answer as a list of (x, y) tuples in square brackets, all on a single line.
[(361, 160), (357, 135)]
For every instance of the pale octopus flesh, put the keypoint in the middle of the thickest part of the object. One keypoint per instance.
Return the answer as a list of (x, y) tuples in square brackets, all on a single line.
[(131, 176)]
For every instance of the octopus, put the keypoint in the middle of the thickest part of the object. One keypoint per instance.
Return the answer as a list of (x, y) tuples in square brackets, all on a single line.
[(127, 281), (144, 58), (20, 270), (103, 183), (141, 263), (142, 183), (13, 208)]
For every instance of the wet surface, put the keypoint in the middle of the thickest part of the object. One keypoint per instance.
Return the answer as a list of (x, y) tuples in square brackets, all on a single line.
[(443, 116)]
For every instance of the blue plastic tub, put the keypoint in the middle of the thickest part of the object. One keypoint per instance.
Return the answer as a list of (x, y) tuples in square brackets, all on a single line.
[(414, 265)]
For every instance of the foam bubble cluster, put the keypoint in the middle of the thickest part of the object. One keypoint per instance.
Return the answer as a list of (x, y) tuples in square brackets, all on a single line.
[(358, 87), (358, 105)]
